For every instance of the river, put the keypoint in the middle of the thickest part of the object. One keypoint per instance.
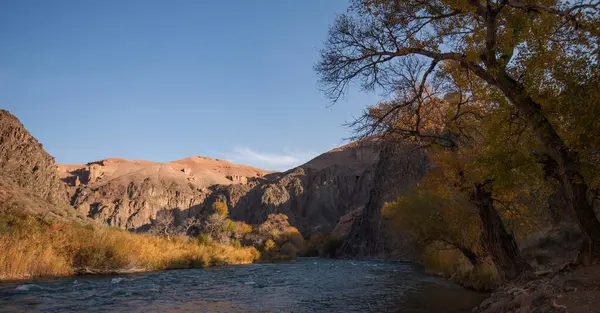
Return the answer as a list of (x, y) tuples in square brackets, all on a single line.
[(306, 285)]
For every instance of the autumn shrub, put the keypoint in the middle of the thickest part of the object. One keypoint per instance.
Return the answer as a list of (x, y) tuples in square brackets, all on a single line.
[(218, 228), (331, 246), (323, 245), (452, 264), (33, 246), (313, 244), (221, 208), (202, 239), (276, 239)]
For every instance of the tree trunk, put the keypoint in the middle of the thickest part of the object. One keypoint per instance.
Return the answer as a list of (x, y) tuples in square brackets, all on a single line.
[(501, 245), (571, 179), (558, 204), (470, 255)]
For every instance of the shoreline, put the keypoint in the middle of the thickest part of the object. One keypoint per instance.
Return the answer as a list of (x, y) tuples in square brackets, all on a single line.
[(125, 271)]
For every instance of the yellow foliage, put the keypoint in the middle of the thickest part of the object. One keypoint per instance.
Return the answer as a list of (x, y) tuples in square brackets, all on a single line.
[(240, 229), (453, 265), (33, 247), (221, 208), (435, 211), (269, 245)]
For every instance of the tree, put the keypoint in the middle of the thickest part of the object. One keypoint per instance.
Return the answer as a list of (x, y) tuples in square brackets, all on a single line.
[(191, 227), (527, 51), (221, 208), (164, 224), (447, 116), (216, 226), (435, 216)]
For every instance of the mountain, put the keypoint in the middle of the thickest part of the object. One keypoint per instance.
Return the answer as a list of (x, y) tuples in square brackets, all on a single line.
[(314, 195), (129, 194), (340, 191), (24, 162), (28, 174)]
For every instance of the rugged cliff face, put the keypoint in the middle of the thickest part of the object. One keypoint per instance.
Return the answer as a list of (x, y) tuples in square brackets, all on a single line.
[(400, 166), (129, 194), (314, 195), (25, 164), (341, 191), (28, 177)]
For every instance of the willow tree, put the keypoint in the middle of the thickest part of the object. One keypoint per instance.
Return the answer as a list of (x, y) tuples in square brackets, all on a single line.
[(518, 47)]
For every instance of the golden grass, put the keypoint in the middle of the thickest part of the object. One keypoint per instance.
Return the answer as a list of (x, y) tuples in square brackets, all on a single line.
[(31, 246), (453, 265)]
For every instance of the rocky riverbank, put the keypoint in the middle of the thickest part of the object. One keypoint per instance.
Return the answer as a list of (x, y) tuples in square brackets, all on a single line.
[(568, 290)]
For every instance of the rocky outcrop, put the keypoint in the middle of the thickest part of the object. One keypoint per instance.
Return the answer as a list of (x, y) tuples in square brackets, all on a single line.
[(25, 164), (344, 225), (573, 291), (129, 194), (29, 181), (329, 190), (237, 179), (399, 167), (314, 195)]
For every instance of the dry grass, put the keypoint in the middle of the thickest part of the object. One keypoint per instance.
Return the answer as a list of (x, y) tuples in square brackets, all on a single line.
[(32, 246), (453, 265)]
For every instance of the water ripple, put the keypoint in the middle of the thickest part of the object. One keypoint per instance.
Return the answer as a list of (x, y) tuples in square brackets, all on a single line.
[(308, 285)]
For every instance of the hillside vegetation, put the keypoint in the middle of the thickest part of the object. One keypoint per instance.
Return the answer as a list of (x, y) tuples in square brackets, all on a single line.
[(38, 244), (34, 245)]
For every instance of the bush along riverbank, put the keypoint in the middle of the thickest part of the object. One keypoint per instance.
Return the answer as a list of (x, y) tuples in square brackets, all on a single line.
[(34, 245)]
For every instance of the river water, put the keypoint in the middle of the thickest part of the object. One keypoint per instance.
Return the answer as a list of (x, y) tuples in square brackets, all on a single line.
[(307, 285)]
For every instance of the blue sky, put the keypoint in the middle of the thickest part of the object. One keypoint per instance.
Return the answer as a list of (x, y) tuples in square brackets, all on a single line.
[(165, 80)]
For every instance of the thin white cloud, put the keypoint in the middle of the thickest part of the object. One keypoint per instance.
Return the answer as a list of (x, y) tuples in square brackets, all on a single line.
[(272, 161)]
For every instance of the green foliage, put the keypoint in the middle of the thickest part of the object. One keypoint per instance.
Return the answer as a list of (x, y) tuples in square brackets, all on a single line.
[(203, 239)]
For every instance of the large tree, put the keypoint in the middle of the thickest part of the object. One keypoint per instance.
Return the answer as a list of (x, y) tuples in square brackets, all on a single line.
[(450, 117), (527, 50)]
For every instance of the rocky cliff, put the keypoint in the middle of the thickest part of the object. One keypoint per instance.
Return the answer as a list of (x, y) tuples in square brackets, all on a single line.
[(314, 195), (28, 175), (129, 194), (340, 191), (25, 164), (400, 166)]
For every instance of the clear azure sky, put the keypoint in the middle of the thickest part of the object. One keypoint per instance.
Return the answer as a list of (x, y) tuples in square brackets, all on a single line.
[(165, 80)]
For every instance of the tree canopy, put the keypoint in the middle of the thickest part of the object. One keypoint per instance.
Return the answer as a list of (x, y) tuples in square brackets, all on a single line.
[(520, 76)]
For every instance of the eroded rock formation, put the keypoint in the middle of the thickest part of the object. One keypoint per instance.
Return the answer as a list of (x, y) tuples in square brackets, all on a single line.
[(399, 167), (28, 178), (25, 163), (129, 194), (314, 195)]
